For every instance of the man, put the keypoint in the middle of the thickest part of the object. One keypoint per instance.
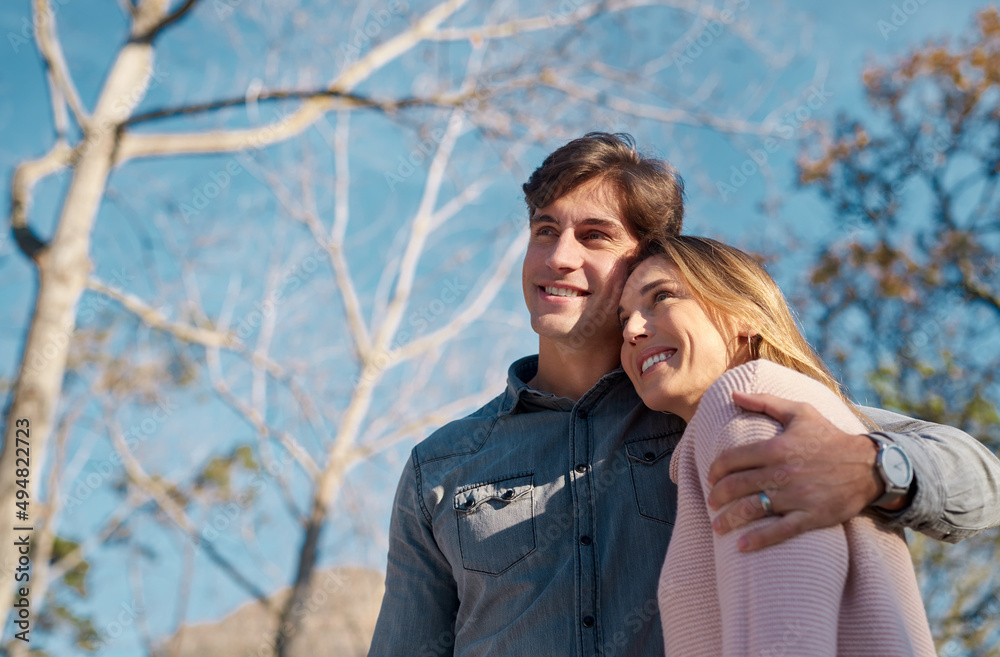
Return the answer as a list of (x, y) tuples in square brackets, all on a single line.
[(538, 524)]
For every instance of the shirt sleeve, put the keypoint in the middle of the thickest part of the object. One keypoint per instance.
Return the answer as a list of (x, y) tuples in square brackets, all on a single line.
[(957, 478), (417, 618), (786, 598)]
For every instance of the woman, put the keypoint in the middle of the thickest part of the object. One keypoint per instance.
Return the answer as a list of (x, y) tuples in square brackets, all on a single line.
[(701, 320)]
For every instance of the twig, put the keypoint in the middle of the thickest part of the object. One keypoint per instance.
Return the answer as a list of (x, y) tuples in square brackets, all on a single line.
[(154, 490), (24, 179), (147, 34), (55, 63), (155, 319)]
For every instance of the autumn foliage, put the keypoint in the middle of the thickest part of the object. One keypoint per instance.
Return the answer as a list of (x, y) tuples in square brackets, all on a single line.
[(910, 280)]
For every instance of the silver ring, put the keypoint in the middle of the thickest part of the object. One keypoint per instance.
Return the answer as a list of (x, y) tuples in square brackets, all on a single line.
[(765, 502)]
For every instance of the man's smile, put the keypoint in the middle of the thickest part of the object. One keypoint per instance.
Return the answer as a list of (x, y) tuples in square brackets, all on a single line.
[(562, 291)]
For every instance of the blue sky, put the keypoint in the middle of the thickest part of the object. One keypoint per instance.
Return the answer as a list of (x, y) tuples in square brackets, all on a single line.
[(212, 55)]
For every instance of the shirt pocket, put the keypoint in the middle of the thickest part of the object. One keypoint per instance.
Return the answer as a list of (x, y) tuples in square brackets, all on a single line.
[(649, 461), (496, 524)]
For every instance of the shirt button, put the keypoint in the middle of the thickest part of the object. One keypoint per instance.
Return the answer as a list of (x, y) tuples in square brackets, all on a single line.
[(588, 621), (649, 456), (582, 414), (584, 540), (581, 468), (507, 494)]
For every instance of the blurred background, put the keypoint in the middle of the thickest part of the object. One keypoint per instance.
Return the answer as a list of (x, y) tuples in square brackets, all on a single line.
[(259, 248)]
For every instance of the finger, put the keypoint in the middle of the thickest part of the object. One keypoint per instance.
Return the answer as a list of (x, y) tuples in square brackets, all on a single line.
[(743, 457), (748, 482), (782, 410), (743, 511), (783, 528)]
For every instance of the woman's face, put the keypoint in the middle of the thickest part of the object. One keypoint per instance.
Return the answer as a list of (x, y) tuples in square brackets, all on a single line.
[(673, 351)]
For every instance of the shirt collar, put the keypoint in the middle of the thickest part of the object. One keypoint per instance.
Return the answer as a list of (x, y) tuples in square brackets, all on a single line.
[(522, 397)]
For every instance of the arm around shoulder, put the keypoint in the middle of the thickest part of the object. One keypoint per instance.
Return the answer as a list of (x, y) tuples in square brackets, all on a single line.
[(421, 598)]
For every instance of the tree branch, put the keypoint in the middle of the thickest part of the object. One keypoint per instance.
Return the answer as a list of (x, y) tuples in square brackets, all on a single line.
[(485, 292), (352, 101), (135, 146), (334, 244), (145, 34), (536, 23), (216, 339), (161, 496), (254, 418), (438, 417), (55, 63), (155, 319), (24, 179), (642, 110)]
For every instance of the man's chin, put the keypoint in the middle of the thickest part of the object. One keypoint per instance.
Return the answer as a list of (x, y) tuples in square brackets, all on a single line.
[(556, 328), (575, 333)]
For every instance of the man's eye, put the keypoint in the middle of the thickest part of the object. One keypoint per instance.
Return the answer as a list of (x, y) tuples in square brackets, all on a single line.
[(662, 296), (595, 236)]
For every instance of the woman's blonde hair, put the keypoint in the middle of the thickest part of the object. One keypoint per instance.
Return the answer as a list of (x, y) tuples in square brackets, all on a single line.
[(736, 291)]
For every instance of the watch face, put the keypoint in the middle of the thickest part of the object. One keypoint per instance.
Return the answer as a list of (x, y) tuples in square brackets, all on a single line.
[(897, 466)]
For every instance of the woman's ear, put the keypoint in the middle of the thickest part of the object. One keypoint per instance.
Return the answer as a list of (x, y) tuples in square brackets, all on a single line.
[(748, 342), (745, 332)]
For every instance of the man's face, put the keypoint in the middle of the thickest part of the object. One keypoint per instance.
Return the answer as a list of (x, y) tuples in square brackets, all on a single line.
[(575, 268)]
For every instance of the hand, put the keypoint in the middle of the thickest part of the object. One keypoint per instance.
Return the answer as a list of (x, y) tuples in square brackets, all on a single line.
[(815, 475)]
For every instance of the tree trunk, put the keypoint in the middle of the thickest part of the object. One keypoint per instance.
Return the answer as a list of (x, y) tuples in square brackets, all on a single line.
[(63, 267)]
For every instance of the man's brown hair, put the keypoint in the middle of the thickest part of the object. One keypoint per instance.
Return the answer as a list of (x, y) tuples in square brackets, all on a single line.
[(649, 192)]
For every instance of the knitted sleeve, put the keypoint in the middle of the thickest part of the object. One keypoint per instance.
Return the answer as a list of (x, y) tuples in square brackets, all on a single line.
[(783, 599)]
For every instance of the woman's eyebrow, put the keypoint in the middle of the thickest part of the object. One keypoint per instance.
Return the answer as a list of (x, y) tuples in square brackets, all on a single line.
[(649, 286), (645, 290)]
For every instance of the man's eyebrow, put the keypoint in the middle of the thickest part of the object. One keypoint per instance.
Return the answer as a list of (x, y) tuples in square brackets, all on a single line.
[(542, 219), (589, 221), (597, 221)]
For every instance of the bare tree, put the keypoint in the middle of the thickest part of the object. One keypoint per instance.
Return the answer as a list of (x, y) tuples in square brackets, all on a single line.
[(488, 86)]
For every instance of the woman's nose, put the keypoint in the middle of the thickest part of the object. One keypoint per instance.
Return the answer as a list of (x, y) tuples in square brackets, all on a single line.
[(635, 327)]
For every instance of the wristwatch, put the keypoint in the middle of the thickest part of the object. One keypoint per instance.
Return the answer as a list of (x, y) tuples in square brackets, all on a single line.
[(895, 469)]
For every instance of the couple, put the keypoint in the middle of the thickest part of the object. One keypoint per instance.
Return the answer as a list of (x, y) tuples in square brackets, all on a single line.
[(538, 525)]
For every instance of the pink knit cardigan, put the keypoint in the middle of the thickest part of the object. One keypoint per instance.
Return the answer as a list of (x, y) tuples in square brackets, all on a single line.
[(844, 590)]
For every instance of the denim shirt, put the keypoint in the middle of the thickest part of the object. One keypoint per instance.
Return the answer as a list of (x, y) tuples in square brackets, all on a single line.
[(538, 526)]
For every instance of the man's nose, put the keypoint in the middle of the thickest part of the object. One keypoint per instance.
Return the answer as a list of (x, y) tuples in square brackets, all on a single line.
[(566, 253)]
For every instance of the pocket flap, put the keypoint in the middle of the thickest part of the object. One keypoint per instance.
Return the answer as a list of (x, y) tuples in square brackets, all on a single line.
[(651, 450), (506, 491)]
